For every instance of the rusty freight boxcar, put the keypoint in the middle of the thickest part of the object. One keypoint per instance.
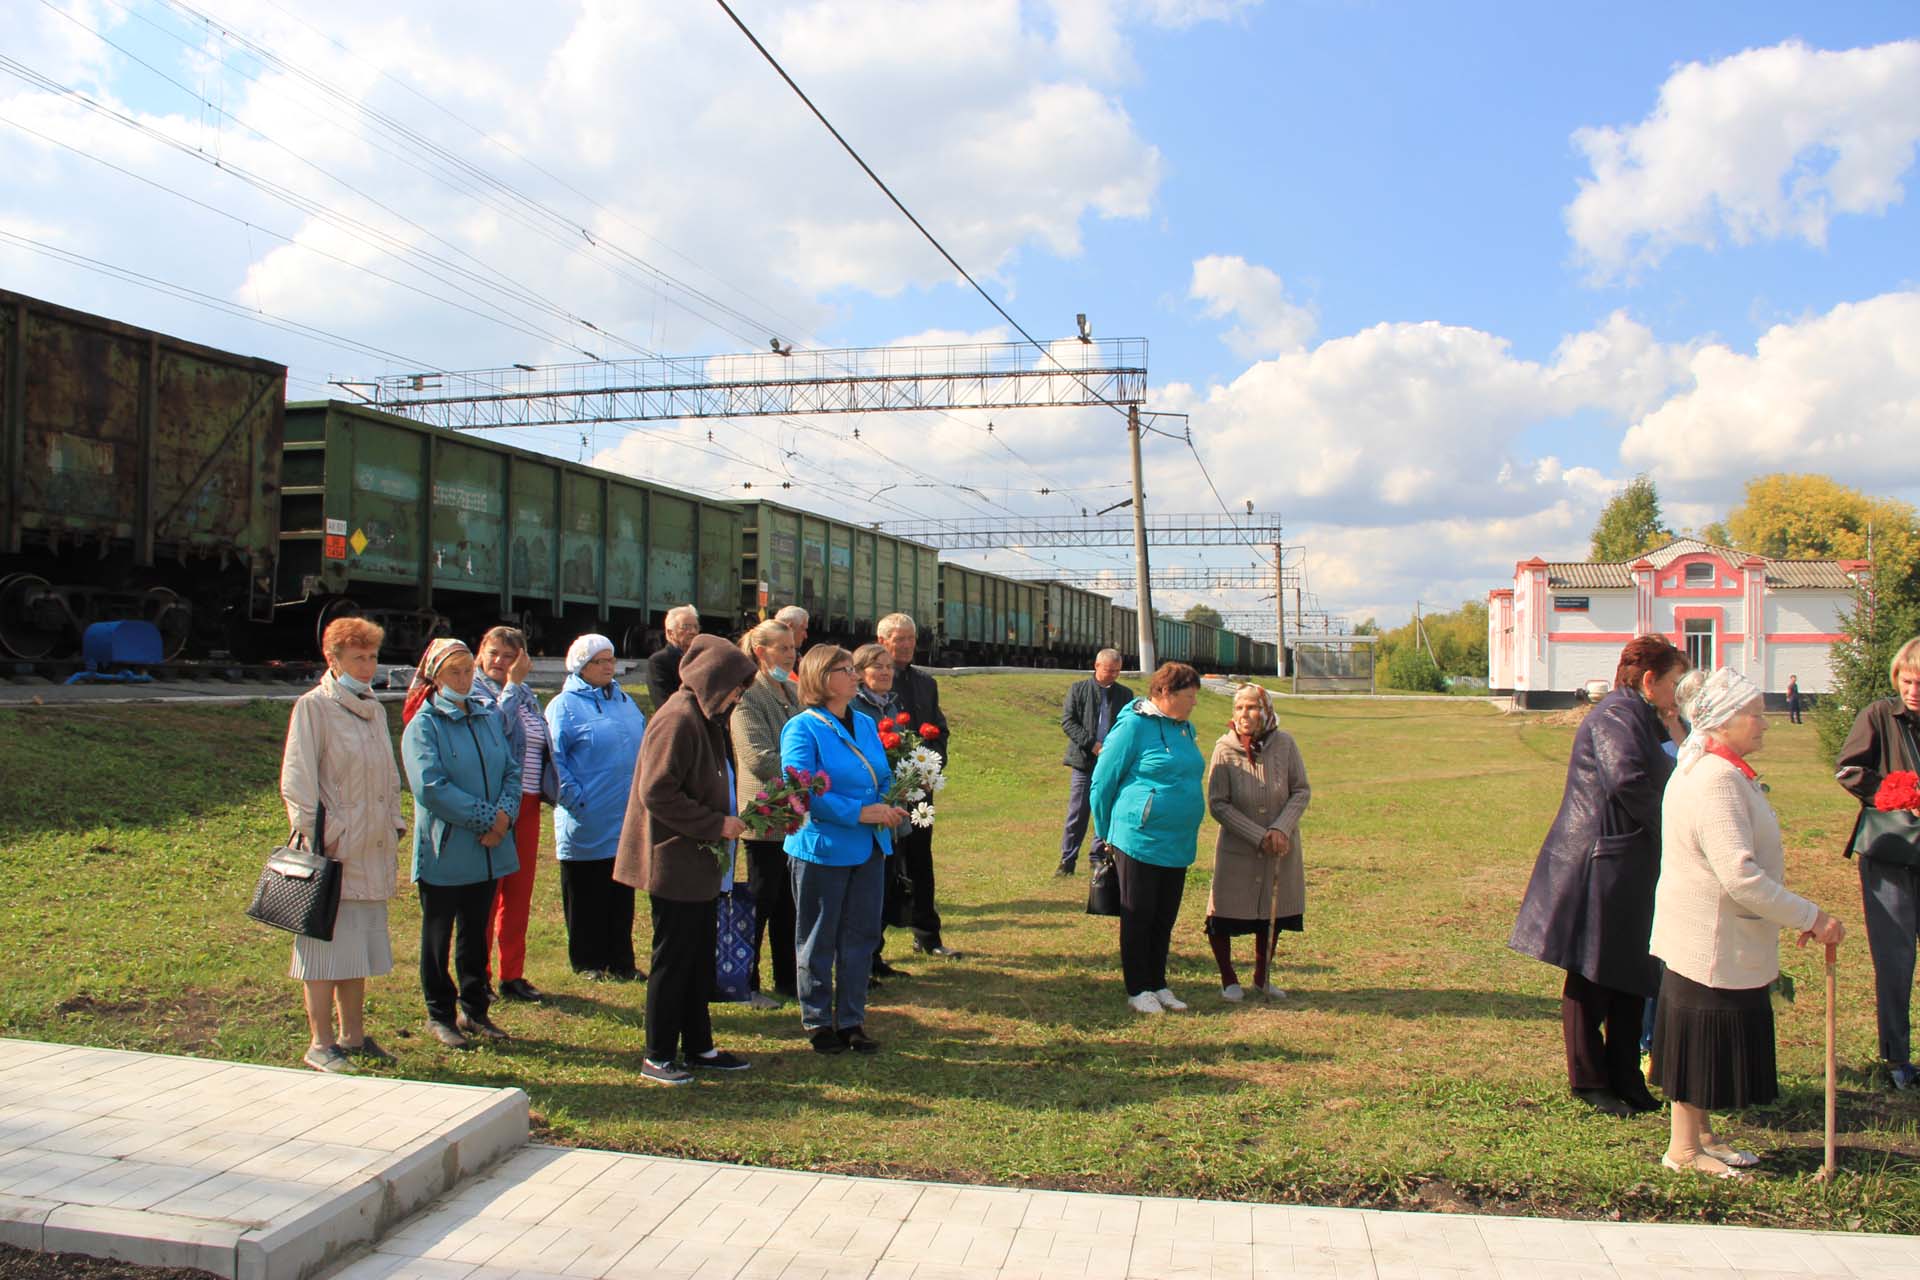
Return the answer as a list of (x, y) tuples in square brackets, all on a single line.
[(434, 532), (139, 479), (847, 578)]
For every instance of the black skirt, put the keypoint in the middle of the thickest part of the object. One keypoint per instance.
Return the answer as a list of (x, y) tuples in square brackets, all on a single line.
[(1713, 1048), (1228, 927)]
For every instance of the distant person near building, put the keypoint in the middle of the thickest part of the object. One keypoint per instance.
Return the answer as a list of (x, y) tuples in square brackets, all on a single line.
[(1091, 708), (1793, 699)]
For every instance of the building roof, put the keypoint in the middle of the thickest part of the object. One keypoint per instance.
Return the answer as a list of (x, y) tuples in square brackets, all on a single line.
[(1822, 575)]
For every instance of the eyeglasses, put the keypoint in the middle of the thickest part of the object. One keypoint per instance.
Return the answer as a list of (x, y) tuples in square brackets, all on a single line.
[(839, 671)]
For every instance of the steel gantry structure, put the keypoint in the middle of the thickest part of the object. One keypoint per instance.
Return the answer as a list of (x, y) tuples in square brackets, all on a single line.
[(976, 375), (1202, 530), (783, 381)]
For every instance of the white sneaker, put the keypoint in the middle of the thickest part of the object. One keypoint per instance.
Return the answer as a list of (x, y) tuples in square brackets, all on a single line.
[(1233, 993), (1145, 1002), (1272, 992), (1168, 1000)]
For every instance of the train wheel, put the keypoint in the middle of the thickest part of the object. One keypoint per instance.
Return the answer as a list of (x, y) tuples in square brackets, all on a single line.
[(32, 620), (335, 607), (634, 643), (171, 617)]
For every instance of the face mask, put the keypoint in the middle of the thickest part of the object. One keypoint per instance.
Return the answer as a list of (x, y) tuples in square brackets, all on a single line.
[(779, 673), (448, 700), (351, 684)]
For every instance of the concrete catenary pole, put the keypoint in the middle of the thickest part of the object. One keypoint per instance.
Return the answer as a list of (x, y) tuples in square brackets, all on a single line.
[(1280, 611), (1144, 593)]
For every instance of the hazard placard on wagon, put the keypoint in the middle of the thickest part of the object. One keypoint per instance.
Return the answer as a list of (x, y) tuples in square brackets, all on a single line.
[(336, 548)]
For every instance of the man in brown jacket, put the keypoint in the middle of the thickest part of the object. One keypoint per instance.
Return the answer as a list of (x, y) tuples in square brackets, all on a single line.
[(681, 803)]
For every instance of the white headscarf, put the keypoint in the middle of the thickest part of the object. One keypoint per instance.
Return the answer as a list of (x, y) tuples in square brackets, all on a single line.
[(1722, 697), (585, 650)]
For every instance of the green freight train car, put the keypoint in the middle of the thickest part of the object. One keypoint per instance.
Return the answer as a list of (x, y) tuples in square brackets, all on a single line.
[(434, 532), (139, 479), (1078, 623), (988, 619), (845, 577)]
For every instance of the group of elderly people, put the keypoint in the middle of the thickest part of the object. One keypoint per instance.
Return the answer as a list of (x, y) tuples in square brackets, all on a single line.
[(637, 805), (1661, 878), (1664, 877)]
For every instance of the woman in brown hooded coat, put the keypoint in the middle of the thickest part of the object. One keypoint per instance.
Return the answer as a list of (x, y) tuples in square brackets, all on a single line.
[(682, 803)]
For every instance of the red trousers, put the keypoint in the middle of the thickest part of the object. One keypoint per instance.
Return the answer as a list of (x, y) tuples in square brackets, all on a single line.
[(513, 899)]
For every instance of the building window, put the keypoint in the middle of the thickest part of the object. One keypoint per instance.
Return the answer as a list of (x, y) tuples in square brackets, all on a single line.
[(1699, 637), (1700, 574)]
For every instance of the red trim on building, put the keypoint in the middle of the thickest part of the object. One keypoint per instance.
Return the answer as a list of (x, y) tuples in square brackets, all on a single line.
[(1590, 637), (1672, 580), (1834, 637)]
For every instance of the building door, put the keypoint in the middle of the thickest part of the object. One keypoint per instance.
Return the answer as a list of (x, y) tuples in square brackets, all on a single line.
[(1699, 637)]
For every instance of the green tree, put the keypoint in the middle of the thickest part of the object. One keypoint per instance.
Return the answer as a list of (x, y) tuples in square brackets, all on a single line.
[(1206, 615), (1885, 616), (1630, 524), (1410, 669), (1796, 517)]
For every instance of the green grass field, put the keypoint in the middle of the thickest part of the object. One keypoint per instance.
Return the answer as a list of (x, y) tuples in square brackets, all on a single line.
[(1416, 1064)]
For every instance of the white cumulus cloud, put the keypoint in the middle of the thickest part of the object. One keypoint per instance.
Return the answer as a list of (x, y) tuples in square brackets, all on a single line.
[(1767, 144), (1837, 393), (1269, 321)]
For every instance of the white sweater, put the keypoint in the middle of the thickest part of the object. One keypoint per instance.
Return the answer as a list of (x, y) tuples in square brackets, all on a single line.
[(1720, 904)]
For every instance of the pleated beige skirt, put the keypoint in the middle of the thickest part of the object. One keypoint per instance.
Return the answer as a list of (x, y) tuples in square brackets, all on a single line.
[(360, 947)]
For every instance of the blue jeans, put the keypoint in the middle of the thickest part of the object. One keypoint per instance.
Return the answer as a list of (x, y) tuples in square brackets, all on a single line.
[(836, 931), (1079, 813), (1891, 896)]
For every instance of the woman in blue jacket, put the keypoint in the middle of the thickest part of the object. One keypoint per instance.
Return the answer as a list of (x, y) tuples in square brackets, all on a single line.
[(466, 795), (595, 731), (1148, 796), (838, 857)]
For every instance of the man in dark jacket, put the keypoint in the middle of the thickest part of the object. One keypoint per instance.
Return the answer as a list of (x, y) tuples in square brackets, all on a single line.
[(1589, 905), (663, 668), (1092, 706), (681, 803), (919, 696)]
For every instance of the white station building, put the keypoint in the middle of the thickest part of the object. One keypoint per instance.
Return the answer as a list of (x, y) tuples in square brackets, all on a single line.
[(1562, 624)]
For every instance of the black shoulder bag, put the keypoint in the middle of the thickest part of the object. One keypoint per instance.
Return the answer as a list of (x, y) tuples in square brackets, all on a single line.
[(299, 888), (1892, 836)]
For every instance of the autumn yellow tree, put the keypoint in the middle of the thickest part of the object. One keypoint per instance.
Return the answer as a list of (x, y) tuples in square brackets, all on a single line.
[(1795, 517)]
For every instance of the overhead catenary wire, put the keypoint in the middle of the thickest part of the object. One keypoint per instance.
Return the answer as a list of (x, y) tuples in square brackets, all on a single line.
[(921, 227), (363, 231)]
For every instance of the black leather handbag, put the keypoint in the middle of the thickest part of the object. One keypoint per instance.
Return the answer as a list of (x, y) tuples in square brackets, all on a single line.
[(299, 888), (1103, 884), (1893, 836)]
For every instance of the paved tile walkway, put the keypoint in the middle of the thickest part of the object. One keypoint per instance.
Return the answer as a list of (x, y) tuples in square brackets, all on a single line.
[(546, 1212), (262, 1173), (245, 1171)]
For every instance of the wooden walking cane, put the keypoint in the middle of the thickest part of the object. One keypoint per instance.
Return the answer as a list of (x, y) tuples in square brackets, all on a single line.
[(1833, 956), (1273, 925)]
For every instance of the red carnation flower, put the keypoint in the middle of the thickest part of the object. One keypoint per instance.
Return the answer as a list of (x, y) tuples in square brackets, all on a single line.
[(902, 718), (822, 784), (929, 730), (889, 740), (1899, 790)]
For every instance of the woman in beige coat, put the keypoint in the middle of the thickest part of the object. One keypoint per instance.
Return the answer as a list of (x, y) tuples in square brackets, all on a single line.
[(771, 701), (1718, 910), (1256, 790), (339, 761)]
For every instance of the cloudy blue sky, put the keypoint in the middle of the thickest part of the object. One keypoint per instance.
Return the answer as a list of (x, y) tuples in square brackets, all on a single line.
[(1431, 281)]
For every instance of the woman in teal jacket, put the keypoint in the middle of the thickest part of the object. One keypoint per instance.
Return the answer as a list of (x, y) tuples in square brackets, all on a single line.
[(1148, 795), (466, 794), (595, 729), (838, 857)]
